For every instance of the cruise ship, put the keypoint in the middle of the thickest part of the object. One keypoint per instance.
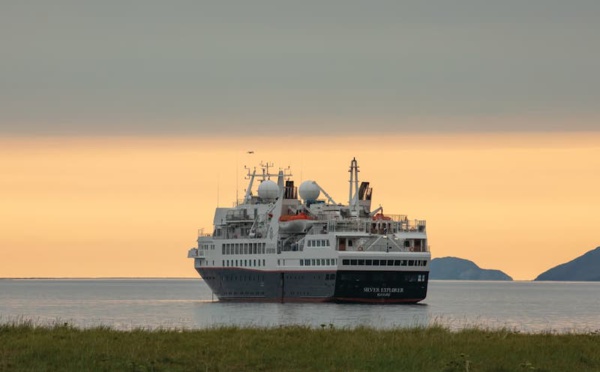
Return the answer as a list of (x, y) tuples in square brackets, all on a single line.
[(281, 243)]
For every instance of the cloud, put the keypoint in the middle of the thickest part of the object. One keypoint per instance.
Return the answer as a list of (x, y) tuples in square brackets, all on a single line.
[(152, 67)]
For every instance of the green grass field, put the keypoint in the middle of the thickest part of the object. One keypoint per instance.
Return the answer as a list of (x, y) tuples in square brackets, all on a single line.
[(26, 347)]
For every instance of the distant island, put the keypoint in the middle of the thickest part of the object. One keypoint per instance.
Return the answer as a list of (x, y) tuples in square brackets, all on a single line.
[(454, 268), (583, 268)]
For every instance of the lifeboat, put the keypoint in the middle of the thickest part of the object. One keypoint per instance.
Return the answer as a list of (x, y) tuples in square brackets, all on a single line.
[(295, 222), (381, 217)]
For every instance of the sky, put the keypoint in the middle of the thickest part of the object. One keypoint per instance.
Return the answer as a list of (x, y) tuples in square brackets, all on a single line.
[(124, 123)]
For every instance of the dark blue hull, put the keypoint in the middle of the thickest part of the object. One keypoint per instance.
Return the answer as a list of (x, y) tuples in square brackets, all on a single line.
[(237, 284)]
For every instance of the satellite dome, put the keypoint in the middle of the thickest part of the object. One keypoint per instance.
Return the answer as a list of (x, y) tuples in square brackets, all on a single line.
[(309, 190), (268, 190)]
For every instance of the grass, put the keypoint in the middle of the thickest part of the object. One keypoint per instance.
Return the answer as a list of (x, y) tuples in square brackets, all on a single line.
[(27, 347)]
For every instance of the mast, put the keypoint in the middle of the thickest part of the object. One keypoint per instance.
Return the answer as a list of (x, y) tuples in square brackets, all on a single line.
[(353, 192), (249, 189)]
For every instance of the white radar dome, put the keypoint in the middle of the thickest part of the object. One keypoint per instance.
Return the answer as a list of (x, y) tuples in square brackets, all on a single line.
[(268, 190), (309, 190)]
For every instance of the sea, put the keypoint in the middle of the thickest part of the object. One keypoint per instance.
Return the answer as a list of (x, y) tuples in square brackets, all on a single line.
[(125, 304)]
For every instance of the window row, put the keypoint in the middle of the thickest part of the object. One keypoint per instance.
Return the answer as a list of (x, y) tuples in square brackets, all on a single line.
[(318, 243), (244, 248), (361, 262), (318, 262), (244, 263)]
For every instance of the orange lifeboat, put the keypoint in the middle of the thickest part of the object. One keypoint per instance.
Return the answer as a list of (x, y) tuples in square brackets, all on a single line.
[(381, 217), (294, 223), (295, 217)]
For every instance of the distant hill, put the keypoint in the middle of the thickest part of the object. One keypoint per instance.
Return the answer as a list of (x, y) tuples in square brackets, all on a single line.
[(583, 268), (453, 268)]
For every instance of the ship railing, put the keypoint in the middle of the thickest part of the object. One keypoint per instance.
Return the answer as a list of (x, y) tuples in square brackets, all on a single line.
[(396, 224), (238, 215), (201, 233), (383, 245)]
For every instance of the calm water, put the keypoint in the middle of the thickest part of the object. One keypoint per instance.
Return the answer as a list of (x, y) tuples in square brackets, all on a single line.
[(187, 303)]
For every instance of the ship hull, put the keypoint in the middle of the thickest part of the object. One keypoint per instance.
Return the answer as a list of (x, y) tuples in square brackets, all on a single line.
[(382, 287)]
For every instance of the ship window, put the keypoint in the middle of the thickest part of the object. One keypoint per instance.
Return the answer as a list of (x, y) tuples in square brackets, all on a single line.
[(411, 263), (361, 262), (353, 262), (328, 262), (368, 262), (309, 243), (301, 262), (222, 263), (350, 243), (223, 249), (375, 262), (407, 243), (254, 263), (383, 263), (322, 262), (318, 243), (263, 262), (390, 262), (345, 262), (263, 248), (425, 263), (318, 262), (246, 248), (313, 262)]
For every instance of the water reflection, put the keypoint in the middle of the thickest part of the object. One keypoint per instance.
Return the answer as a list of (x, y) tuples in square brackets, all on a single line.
[(159, 303)]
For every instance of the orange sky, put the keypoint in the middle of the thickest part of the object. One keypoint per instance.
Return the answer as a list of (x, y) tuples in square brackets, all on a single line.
[(124, 206)]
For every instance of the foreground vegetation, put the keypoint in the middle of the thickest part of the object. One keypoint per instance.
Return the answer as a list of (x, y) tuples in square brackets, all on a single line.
[(26, 347)]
